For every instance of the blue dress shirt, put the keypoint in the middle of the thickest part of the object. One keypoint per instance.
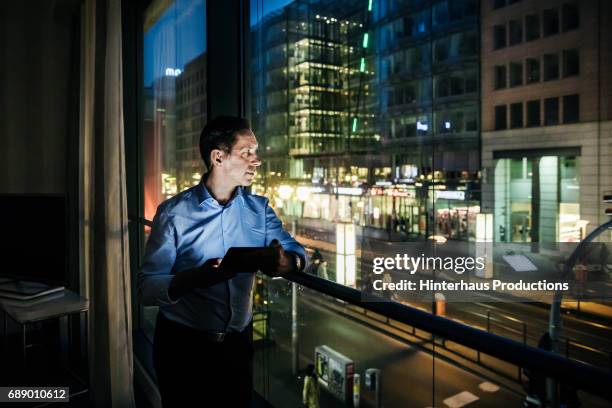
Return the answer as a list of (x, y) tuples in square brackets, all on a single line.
[(189, 229)]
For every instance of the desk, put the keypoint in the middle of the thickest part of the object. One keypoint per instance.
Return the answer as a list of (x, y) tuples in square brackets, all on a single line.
[(56, 305)]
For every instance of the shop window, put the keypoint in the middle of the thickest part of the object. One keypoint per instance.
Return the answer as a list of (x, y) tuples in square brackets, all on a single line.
[(533, 113), (500, 76), (516, 74), (533, 70), (551, 111), (516, 32), (499, 36), (571, 63), (550, 22), (516, 115), (551, 67), (501, 121), (571, 108), (532, 27), (571, 17)]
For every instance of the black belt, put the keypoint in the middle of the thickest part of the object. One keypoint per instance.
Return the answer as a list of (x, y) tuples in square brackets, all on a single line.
[(213, 337)]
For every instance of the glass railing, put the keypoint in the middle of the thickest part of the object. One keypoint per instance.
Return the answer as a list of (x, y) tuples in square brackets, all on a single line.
[(423, 360)]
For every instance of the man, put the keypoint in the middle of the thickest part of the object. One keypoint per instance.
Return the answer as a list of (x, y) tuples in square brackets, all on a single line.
[(202, 349)]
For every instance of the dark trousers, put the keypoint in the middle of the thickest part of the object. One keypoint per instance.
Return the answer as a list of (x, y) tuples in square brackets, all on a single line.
[(194, 371)]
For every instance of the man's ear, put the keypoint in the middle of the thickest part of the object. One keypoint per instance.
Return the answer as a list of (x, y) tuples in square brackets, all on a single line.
[(216, 157)]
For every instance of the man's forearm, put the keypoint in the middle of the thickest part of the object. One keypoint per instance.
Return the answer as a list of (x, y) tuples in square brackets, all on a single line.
[(197, 278)]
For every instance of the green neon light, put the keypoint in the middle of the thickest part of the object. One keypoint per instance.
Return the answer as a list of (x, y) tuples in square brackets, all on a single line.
[(370, 5), (362, 65), (354, 125), (365, 40)]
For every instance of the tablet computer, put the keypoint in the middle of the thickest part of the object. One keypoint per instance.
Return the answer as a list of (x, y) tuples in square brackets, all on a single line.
[(249, 259)]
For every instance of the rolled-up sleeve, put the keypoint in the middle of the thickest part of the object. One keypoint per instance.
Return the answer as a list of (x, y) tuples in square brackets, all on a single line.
[(160, 253), (275, 230)]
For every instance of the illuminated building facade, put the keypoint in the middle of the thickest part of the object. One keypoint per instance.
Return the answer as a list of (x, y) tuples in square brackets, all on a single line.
[(369, 112)]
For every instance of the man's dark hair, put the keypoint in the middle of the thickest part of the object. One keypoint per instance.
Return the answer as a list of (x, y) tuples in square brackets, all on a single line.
[(220, 133)]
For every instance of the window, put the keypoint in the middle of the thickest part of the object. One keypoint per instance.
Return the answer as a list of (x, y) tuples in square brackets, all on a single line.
[(571, 17), (551, 111), (533, 70), (499, 4), (550, 22), (516, 32), (532, 27), (516, 115), (571, 63), (500, 117), (571, 108), (499, 34), (516, 74), (500, 76), (533, 113), (551, 67)]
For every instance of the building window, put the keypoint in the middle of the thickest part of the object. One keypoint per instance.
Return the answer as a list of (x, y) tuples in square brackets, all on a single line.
[(500, 117), (571, 108), (499, 34), (516, 115), (516, 73), (551, 111), (516, 32), (500, 76), (533, 70), (571, 17), (499, 4), (533, 113), (551, 67), (532, 27), (550, 22), (571, 63)]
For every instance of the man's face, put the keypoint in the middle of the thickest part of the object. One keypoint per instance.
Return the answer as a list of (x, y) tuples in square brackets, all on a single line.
[(239, 166)]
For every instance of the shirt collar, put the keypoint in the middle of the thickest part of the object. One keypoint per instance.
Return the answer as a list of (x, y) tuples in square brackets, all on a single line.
[(204, 195)]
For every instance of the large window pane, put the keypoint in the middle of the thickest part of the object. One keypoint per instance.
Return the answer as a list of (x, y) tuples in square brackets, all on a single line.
[(571, 16), (551, 111), (532, 27), (551, 66), (571, 108), (501, 117), (516, 32), (533, 70), (516, 115), (550, 21), (533, 113), (175, 98), (499, 36), (571, 63), (500, 76), (516, 73)]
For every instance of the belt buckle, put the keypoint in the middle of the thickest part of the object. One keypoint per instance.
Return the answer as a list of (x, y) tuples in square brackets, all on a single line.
[(218, 337)]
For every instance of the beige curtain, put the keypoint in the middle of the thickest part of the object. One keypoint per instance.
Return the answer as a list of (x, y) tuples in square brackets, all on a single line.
[(105, 271)]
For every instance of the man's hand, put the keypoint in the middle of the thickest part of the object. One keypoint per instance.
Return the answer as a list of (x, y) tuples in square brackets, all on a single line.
[(284, 261), (206, 275)]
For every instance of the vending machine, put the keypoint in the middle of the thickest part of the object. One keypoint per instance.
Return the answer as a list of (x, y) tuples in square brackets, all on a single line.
[(335, 373)]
